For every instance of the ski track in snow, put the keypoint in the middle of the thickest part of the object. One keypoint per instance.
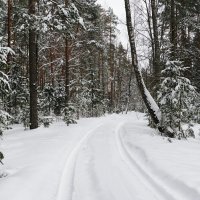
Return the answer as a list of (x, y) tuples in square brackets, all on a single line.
[(102, 167), (159, 181), (66, 185), (116, 157), (108, 175)]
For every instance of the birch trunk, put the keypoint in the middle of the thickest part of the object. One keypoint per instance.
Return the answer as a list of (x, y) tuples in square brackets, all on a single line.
[(151, 105)]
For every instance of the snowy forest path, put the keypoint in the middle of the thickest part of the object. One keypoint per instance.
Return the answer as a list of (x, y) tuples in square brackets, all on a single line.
[(152, 177), (65, 188), (103, 166), (103, 173), (115, 157)]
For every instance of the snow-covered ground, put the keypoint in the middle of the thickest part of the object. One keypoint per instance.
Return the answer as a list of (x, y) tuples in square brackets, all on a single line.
[(116, 157)]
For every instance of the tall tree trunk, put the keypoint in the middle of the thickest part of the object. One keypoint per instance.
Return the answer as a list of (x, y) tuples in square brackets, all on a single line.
[(156, 59), (173, 30), (149, 21), (151, 105), (33, 70), (52, 68), (9, 27), (111, 66), (67, 56), (103, 74), (67, 78)]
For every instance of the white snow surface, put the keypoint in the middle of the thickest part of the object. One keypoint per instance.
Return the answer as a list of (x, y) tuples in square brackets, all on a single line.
[(116, 157)]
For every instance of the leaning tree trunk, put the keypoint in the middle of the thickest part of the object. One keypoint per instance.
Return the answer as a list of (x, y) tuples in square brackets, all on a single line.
[(33, 70), (151, 105)]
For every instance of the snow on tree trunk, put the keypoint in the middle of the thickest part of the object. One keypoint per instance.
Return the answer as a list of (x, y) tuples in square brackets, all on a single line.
[(151, 105)]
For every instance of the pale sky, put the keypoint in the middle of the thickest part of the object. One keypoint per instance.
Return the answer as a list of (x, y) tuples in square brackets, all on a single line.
[(141, 42), (119, 10)]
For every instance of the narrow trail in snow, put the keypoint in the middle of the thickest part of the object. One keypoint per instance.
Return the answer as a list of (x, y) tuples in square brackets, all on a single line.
[(169, 188), (101, 167), (65, 188), (102, 174)]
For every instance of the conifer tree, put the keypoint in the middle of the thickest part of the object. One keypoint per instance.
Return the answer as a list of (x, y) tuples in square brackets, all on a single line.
[(4, 88), (176, 98)]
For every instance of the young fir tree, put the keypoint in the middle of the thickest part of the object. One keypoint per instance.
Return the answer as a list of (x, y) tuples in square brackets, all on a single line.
[(47, 100), (59, 98), (176, 98), (4, 88), (17, 99)]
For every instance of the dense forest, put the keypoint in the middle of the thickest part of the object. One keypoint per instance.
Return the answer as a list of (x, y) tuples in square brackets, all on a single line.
[(86, 114), (172, 76), (62, 58), (65, 61)]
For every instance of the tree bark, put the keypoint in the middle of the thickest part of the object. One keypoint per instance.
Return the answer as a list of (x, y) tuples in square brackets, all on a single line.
[(67, 78), (173, 30), (156, 59), (33, 73), (9, 27), (67, 66), (111, 63), (149, 21), (52, 68)]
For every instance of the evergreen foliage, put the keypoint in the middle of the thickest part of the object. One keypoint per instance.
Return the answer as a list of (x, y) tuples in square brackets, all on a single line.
[(83, 71), (69, 114), (176, 98), (4, 89)]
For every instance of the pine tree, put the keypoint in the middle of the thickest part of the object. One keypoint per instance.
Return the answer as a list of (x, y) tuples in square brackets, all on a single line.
[(59, 98), (47, 99), (176, 98)]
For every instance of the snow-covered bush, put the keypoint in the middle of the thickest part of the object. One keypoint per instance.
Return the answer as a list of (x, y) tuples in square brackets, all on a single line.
[(176, 98), (4, 51), (47, 99), (4, 88), (69, 114), (59, 99)]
